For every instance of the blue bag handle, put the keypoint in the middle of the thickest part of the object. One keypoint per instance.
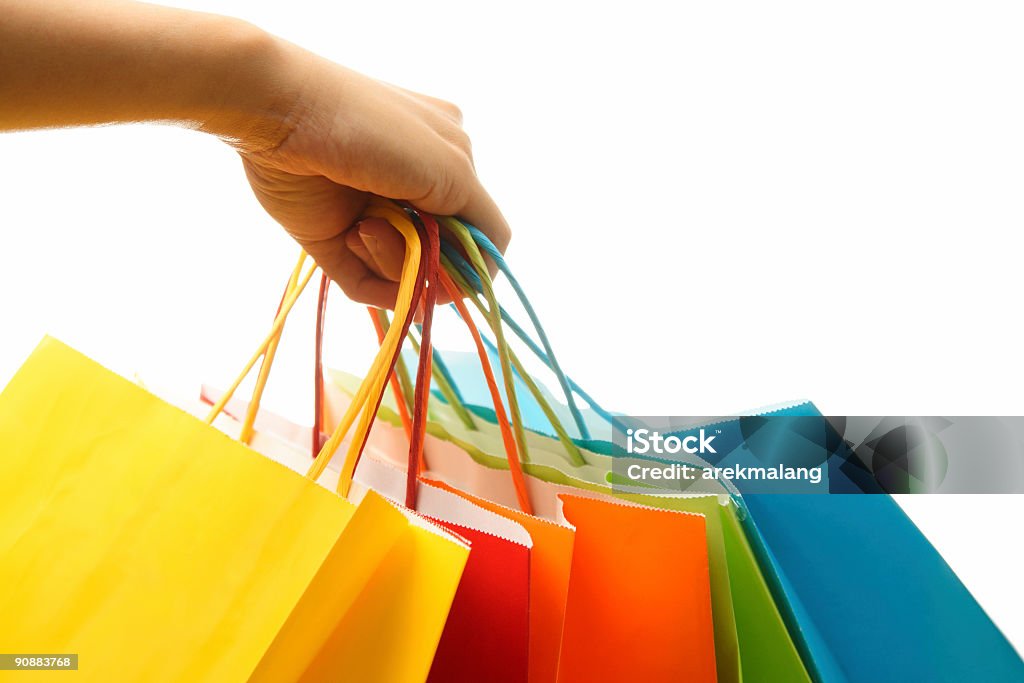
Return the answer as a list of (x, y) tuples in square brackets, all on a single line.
[(546, 355)]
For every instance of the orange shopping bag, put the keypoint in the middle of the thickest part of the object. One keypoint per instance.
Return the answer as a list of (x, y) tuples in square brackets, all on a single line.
[(639, 603)]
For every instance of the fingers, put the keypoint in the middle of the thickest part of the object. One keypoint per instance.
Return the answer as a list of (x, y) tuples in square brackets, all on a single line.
[(382, 248), (319, 215), (350, 272), (455, 188), (378, 245), (389, 142), (481, 211), (477, 208)]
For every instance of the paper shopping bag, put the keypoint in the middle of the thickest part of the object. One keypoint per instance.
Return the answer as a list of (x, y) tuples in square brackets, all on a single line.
[(305, 636), (747, 620), (750, 635), (391, 632), (870, 598), (509, 605), (550, 563), (639, 604), (767, 651), (486, 635), (158, 549), (449, 461), (751, 638), (410, 598)]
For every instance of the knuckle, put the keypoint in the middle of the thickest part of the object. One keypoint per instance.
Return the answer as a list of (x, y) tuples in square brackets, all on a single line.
[(451, 110), (457, 137), (463, 142), (451, 189)]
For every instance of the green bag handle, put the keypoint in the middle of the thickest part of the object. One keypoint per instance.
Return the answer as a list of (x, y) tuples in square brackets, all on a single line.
[(461, 233), (508, 359)]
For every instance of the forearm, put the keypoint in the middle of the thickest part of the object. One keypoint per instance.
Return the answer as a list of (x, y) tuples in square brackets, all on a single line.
[(317, 140), (87, 62)]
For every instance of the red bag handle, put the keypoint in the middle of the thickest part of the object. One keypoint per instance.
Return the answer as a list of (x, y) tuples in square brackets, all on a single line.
[(431, 250), (318, 437), (427, 228)]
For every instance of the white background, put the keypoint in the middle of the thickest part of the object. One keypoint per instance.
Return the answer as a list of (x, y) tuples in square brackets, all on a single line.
[(715, 208)]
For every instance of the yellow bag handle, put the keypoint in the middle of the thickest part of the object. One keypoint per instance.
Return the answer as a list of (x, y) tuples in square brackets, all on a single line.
[(247, 431), (373, 383), (262, 351)]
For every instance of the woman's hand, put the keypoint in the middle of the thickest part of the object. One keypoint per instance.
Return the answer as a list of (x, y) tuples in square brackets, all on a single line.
[(345, 137), (316, 139)]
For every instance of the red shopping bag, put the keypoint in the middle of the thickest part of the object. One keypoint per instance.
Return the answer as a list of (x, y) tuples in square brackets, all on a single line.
[(486, 635)]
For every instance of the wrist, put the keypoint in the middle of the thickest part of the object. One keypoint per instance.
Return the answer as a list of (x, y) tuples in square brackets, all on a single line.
[(256, 86)]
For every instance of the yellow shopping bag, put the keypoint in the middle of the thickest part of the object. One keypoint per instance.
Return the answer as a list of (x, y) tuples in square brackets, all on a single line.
[(157, 549)]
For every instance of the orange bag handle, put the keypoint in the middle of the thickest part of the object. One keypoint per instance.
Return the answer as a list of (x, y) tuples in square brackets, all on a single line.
[(511, 451)]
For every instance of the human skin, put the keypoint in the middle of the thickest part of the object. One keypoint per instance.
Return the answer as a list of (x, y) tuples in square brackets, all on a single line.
[(316, 140)]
